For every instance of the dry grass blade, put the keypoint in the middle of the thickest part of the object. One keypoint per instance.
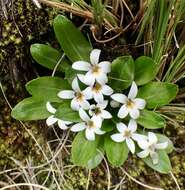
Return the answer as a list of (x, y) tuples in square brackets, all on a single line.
[(140, 183), (68, 8)]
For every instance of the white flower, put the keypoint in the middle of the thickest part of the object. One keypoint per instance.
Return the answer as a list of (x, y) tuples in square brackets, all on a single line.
[(97, 91), (79, 99), (52, 119), (131, 104), (127, 134), (98, 110), (95, 71), (92, 125), (150, 146)]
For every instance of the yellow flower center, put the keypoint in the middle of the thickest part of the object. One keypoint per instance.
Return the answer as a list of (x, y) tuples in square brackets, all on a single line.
[(96, 69), (90, 124), (97, 87), (130, 104), (97, 111), (127, 133), (79, 96)]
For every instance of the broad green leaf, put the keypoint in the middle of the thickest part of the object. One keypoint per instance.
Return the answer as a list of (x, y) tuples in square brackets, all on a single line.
[(47, 88), (30, 109), (163, 138), (108, 125), (117, 153), (72, 41), (47, 56), (98, 157), (163, 166), (122, 73), (65, 112), (151, 120), (145, 70), (83, 150), (158, 94)]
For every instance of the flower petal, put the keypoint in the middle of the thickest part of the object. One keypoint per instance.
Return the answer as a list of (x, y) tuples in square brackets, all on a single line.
[(152, 137), (81, 66), (89, 78), (117, 137), (133, 91), (62, 125), (121, 127), (132, 125), (94, 56), (107, 90), (121, 98), (88, 93), (123, 112), (105, 66), (103, 105), (155, 157), (81, 77), (50, 108), (89, 133), (131, 145), (51, 120), (138, 137), (67, 122), (140, 103), (83, 115), (78, 127), (106, 115), (102, 78), (143, 144), (85, 105), (66, 94), (75, 104), (75, 85), (143, 154), (161, 145), (134, 113), (99, 131), (98, 97), (97, 120)]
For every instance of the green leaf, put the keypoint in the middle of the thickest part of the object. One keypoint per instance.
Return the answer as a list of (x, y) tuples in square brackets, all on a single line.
[(47, 56), (83, 150), (47, 88), (65, 112), (158, 94), (30, 109), (151, 120), (117, 153), (122, 72), (145, 70), (107, 125), (73, 43), (163, 166), (98, 157), (163, 138)]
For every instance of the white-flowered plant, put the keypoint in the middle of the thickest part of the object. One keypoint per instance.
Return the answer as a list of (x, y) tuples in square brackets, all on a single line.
[(110, 105), (95, 70), (98, 110), (131, 104), (51, 120), (150, 147), (79, 98), (91, 125), (128, 134)]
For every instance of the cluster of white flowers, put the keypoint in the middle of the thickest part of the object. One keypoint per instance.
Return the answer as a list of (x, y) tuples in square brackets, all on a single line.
[(91, 104)]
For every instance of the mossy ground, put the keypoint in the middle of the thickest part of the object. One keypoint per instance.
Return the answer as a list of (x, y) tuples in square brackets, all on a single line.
[(28, 25)]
